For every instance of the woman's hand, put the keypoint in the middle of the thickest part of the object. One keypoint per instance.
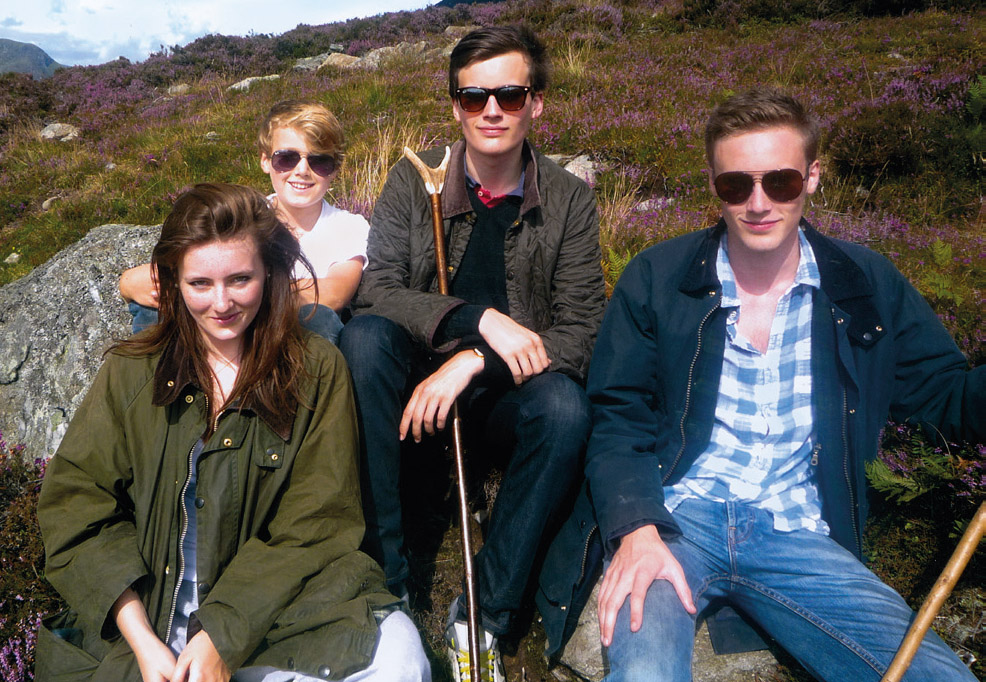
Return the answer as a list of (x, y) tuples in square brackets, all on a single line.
[(200, 662), (155, 659)]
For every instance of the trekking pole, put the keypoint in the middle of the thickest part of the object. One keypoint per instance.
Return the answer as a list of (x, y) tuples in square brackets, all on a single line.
[(943, 587), (434, 179)]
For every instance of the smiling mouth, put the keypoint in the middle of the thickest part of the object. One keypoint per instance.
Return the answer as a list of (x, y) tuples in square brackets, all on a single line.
[(301, 186), (225, 319)]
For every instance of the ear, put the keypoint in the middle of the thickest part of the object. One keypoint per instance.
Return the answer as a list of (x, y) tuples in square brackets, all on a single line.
[(265, 163), (712, 182), (456, 114), (537, 104), (814, 176)]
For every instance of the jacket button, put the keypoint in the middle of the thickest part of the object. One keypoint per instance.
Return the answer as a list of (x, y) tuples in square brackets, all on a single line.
[(273, 457), (581, 525), (879, 328), (852, 410), (867, 337), (324, 671), (199, 502), (204, 587), (171, 384), (189, 398), (839, 320), (227, 442), (290, 663)]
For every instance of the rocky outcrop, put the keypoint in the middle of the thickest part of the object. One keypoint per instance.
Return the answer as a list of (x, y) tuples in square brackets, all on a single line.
[(62, 132), (247, 83), (55, 324)]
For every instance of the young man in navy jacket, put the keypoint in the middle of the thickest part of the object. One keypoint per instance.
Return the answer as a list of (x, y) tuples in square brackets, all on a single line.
[(726, 462)]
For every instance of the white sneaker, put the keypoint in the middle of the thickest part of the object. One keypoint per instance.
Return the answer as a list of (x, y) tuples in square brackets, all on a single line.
[(490, 664)]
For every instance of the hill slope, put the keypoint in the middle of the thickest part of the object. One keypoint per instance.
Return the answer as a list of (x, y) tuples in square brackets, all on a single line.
[(17, 57)]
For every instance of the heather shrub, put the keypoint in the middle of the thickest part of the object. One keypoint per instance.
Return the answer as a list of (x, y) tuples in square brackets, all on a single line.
[(24, 594)]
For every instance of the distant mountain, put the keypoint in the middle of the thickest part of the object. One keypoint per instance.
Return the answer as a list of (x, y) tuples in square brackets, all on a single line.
[(453, 3), (26, 58)]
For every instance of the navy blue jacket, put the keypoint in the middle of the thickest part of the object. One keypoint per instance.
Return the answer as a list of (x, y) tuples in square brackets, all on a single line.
[(878, 349)]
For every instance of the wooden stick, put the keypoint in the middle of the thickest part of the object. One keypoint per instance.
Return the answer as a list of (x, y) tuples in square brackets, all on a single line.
[(434, 179), (932, 605)]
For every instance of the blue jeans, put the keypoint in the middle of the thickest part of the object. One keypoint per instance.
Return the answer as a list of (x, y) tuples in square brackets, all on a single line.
[(325, 322), (810, 594), (542, 426)]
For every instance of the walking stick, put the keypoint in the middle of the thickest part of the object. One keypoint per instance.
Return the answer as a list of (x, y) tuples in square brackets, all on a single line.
[(434, 179), (943, 587)]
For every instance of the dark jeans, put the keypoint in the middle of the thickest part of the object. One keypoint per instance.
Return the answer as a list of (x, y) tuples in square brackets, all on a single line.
[(542, 426), (325, 322)]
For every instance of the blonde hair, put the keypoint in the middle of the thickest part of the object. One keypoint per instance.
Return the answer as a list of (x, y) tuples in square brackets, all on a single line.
[(320, 128)]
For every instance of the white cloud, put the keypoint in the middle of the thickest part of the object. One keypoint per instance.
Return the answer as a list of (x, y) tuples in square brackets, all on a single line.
[(95, 31)]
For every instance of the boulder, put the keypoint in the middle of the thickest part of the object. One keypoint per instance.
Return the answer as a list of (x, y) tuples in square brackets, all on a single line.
[(584, 655), (247, 83), (374, 58), (178, 89), (457, 33), (311, 63), (343, 61), (55, 324), (62, 132)]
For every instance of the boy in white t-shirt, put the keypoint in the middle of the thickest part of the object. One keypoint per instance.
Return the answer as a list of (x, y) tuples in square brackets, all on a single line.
[(301, 149)]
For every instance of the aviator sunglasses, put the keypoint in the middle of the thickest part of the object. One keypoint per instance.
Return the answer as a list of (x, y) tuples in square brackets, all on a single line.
[(286, 159), (508, 97), (735, 187)]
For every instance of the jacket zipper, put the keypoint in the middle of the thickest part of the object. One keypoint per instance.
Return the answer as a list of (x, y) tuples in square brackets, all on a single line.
[(688, 390), (184, 531), (181, 545), (845, 470), (585, 550)]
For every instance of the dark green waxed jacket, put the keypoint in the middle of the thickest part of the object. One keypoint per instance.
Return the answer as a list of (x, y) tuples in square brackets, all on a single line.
[(279, 521), (553, 270)]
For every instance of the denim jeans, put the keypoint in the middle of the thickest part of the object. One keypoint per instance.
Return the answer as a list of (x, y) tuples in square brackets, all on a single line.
[(542, 425), (325, 322), (809, 593)]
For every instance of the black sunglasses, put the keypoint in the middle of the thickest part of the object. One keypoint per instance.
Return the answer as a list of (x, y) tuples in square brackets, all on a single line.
[(735, 187), (286, 159), (508, 97)]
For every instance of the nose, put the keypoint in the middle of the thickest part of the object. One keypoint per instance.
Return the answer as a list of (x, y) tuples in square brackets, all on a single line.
[(492, 108), (302, 166), (221, 299), (758, 202)]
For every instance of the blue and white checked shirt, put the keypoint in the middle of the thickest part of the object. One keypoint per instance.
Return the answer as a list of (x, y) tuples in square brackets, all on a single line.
[(761, 445)]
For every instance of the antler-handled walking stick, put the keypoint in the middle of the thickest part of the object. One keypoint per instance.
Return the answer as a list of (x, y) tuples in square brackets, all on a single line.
[(434, 179), (943, 587)]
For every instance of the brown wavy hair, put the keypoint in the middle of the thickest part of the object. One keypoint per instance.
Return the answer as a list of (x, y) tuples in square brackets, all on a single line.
[(272, 363)]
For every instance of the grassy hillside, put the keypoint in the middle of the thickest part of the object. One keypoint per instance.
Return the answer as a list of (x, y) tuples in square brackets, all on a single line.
[(902, 99)]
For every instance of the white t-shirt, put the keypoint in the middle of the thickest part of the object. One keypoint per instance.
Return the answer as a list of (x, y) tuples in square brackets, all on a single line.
[(336, 237)]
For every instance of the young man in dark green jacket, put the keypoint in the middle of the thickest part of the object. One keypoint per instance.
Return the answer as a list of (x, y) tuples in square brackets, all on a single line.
[(511, 343)]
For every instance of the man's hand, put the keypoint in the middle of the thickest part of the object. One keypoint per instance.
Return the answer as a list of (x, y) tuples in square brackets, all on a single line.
[(200, 662), (519, 347), (641, 559), (432, 399), (156, 661)]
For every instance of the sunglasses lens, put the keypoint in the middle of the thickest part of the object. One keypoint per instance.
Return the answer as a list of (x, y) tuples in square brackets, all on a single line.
[(473, 99), (322, 164), (284, 160), (783, 185), (511, 97), (734, 187)]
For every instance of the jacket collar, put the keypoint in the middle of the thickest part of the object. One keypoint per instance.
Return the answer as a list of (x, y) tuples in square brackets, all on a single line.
[(843, 281), (175, 376), (455, 194)]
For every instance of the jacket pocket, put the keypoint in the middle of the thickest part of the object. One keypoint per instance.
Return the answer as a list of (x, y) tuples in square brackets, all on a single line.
[(59, 658)]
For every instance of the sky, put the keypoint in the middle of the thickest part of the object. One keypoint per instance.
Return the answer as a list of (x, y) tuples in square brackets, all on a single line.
[(87, 32)]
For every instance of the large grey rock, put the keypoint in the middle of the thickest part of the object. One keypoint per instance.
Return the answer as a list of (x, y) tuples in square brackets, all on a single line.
[(584, 654), (63, 132), (343, 61), (55, 324), (248, 83), (310, 63), (374, 58)]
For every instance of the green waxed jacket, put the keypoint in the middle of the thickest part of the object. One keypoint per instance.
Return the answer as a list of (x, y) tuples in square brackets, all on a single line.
[(279, 521)]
